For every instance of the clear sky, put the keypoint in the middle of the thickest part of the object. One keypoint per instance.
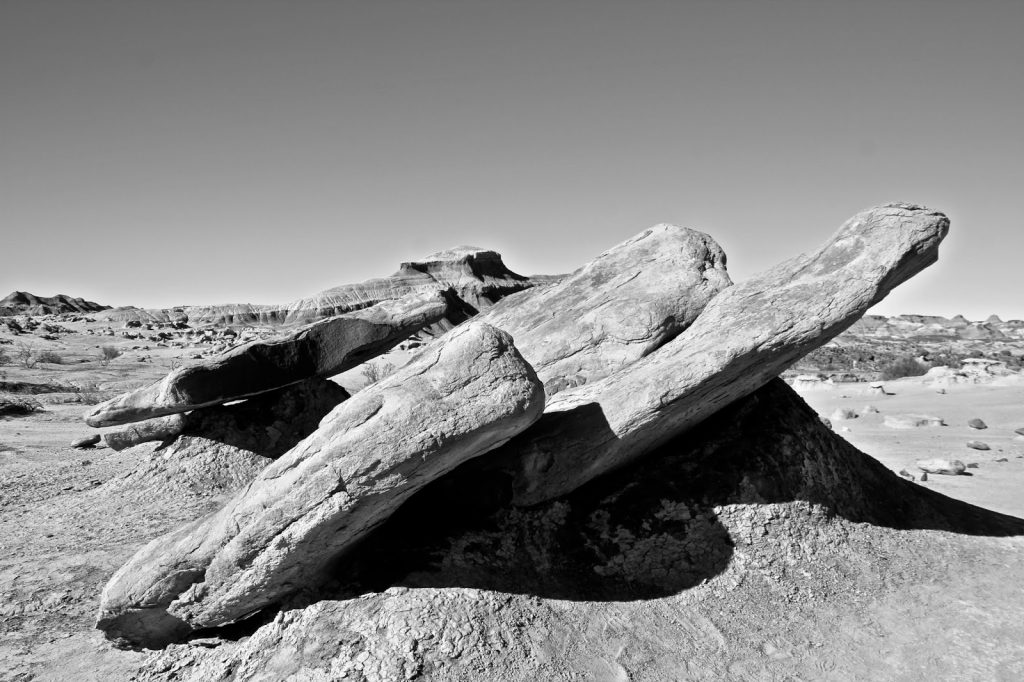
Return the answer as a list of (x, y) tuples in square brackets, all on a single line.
[(174, 152)]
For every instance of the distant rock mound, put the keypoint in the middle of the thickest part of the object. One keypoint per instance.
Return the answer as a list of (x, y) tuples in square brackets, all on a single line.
[(478, 277), (24, 303)]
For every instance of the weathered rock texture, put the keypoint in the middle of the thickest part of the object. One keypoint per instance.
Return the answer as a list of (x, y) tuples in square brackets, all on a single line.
[(617, 308), (268, 424), (320, 349), (743, 338), (461, 397), (636, 576)]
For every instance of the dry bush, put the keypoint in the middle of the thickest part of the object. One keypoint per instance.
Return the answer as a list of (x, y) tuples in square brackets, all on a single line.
[(903, 367), (108, 353), (26, 355), (50, 357), (375, 372)]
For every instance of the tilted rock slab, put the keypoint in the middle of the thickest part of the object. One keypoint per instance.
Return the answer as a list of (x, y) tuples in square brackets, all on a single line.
[(320, 349), (746, 336), (462, 396), (617, 308)]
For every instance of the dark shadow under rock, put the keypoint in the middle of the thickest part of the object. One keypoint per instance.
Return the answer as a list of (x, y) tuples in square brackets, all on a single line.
[(651, 529)]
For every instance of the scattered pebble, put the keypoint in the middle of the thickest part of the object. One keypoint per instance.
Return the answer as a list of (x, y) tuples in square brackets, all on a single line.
[(869, 409), (1020, 431), (924, 477), (977, 445), (907, 475), (977, 424), (843, 413), (1001, 459), (973, 465)]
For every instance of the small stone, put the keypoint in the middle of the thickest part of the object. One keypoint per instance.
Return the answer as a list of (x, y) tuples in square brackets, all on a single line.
[(1001, 459), (973, 465), (977, 424), (842, 414), (907, 475), (87, 442), (924, 477), (869, 409), (948, 467), (977, 445), (1020, 431), (941, 391)]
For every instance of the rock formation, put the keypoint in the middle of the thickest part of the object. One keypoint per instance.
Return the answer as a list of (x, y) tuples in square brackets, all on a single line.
[(268, 424), (464, 395), (319, 349), (638, 364), (759, 504), (747, 335), (478, 277)]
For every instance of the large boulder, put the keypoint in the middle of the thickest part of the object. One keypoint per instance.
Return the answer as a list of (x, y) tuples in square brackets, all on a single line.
[(617, 308), (462, 396), (319, 349), (746, 335)]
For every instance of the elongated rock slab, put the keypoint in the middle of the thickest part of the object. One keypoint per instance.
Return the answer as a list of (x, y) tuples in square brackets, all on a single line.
[(465, 394), (745, 336), (615, 309), (319, 349)]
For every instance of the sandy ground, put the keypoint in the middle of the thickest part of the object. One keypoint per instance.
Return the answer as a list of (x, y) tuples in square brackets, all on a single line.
[(994, 484)]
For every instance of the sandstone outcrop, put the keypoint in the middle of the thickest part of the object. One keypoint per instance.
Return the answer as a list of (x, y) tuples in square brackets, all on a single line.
[(462, 396), (948, 467), (617, 308), (319, 349), (746, 335)]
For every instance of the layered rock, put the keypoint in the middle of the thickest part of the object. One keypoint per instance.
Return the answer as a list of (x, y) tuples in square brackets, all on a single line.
[(462, 396), (617, 308), (319, 349), (744, 337)]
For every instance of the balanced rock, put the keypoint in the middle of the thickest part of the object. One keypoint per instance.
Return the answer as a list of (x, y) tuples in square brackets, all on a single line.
[(617, 308), (463, 395), (319, 349), (977, 424), (978, 445), (745, 336), (949, 467)]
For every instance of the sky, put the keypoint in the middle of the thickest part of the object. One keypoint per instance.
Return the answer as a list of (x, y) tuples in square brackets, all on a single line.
[(160, 153)]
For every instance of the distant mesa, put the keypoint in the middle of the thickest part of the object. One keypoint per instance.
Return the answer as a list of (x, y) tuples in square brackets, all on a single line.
[(24, 303), (477, 277)]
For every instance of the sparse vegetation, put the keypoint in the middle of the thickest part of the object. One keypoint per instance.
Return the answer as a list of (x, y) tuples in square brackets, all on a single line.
[(375, 372), (50, 357), (903, 367), (26, 355), (108, 353), (16, 405)]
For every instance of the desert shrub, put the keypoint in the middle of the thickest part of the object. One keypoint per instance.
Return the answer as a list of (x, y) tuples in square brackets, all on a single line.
[(108, 353), (26, 355), (50, 357), (374, 373), (903, 367)]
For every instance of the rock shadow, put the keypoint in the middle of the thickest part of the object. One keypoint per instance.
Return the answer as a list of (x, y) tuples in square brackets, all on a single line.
[(650, 529)]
